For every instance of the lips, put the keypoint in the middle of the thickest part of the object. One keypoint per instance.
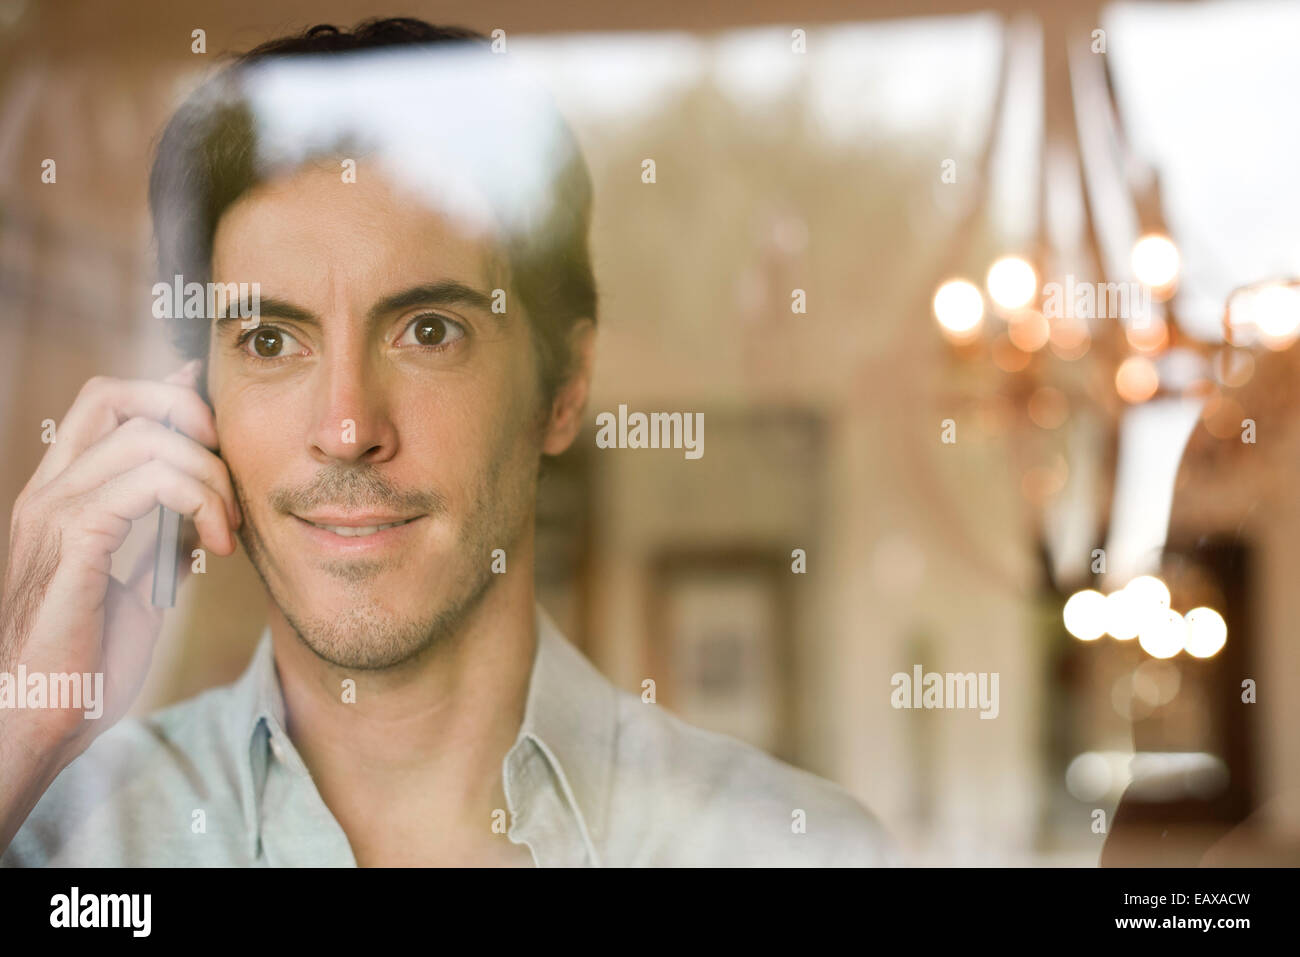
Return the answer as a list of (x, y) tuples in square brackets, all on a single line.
[(356, 526), (358, 531)]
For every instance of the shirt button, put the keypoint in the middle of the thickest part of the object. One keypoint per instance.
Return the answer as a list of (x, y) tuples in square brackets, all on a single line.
[(276, 749)]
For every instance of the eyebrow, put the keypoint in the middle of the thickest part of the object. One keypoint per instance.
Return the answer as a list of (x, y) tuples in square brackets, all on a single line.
[(445, 292)]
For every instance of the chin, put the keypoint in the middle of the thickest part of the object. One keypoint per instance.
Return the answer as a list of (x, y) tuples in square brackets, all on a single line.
[(364, 631), (363, 642)]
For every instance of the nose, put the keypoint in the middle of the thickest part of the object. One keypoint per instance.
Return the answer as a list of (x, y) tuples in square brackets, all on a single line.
[(352, 423)]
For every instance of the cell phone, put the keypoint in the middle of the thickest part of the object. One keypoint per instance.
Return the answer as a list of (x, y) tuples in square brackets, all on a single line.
[(167, 550), (167, 557)]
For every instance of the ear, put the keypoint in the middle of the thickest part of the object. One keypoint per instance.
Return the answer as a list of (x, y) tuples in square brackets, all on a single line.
[(565, 421)]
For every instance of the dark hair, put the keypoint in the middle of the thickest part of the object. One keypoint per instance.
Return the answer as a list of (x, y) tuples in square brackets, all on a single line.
[(207, 158)]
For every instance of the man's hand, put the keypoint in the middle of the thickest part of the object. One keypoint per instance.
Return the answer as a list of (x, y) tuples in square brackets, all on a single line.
[(114, 459)]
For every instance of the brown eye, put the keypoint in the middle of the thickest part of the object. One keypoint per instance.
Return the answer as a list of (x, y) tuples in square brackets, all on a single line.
[(432, 330), (267, 342)]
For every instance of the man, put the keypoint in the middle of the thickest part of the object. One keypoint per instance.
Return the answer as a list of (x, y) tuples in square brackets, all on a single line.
[(415, 219)]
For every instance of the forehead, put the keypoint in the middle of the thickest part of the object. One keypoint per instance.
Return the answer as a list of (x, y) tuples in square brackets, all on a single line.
[(307, 230)]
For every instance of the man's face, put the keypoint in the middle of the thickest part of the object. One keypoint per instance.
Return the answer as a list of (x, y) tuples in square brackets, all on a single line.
[(372, 391)]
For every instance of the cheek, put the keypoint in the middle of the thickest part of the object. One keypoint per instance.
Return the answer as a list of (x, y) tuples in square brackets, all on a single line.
[(256, 435), (522, 415), (447, 435), (526, 385), (467, 442)]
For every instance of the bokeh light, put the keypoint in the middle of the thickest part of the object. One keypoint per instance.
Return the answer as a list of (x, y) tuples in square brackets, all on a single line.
[(1222, 416), (1150, 336), (1155, 261), (959, 308), (1207, 632), (1157, 681), (1070, 338), (1085, 615), (1006, 356), (1163, 636), (1094, 775), (1233, 367), (1048, 407), (1268, 313), (1122, 615), (1136, 379), (1149, 591), (1029, 330), (1012, 282)]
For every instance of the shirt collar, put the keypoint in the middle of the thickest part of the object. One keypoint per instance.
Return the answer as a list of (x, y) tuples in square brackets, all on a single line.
[(570, 713), (256, 714), (259, 695)]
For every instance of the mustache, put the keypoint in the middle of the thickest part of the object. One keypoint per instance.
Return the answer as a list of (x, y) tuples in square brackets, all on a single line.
[(354, 487)]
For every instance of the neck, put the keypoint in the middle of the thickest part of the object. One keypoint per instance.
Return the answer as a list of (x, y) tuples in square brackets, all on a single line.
[(427, 737)]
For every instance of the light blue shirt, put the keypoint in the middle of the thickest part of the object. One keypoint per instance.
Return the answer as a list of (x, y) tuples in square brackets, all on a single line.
[(596, 777)]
